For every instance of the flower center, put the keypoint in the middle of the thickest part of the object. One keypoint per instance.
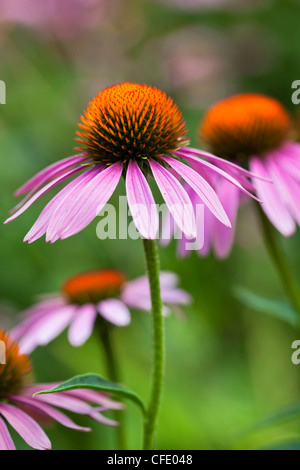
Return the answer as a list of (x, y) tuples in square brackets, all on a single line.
[(13, 374), (246, 125), (131, 121), (94, 286)]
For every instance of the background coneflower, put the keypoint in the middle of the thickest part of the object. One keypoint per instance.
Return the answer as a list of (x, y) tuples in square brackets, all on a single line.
[(104, 295), (256, 132)]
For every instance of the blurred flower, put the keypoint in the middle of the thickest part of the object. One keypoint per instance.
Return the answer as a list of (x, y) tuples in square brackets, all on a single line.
[(86, 295), (57, 17), (22, 411), (217, 4), (134, 130), (255, 131)]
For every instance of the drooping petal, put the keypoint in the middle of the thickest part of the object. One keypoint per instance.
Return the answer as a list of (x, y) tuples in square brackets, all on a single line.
[(175, 296), (176, 198), (41, 192), (60, 212), (6, 442), (114, 311), (41, 225), (98, 398), (102, 419), (230, 165), (286, 185), (67, 402), (141, 202), (27, 427), (219, 171), (75, 214), (46, 328), (82, 325), (30, 316), (204, 226), (50, 172), (201, 187), (273, 205), (49, 411), (223, 237)]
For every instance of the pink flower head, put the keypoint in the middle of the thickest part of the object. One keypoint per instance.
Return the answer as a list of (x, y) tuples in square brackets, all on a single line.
[(86, 296), (23, 412), (256, 132), (136, 131)]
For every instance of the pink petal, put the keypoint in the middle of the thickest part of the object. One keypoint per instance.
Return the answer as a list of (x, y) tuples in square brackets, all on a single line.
[(41, 192), (219, 171), (272, 205), (98, 398), (51, 412), (75, 214), (206, 226), (201, 187), (46, 328), (6, 442), (52, 171), (223, 237), (226, 163), (67, 402), (102, 419), (175, 297), (114, 311), (141, 202), (41, 225), (82, 325), (28, 429), (176, 198), (60, 212), (286, 185)]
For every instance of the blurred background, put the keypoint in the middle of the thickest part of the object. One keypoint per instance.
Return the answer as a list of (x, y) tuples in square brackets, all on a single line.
[(228, 366)]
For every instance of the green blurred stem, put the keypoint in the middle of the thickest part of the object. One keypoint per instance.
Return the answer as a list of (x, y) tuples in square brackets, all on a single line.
[(279, 260), (105, 331), (151, 419)]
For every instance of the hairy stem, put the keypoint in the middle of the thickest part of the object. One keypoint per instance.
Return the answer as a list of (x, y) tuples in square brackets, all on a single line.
[(151, 420)]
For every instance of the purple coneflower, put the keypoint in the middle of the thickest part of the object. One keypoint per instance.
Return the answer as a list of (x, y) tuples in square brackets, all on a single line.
[(254, 131), (136, 131), (86, 296), (22, 411)]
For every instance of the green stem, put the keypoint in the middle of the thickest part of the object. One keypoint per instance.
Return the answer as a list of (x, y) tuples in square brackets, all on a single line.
[(151, 419), (279, 260), (105, 331)]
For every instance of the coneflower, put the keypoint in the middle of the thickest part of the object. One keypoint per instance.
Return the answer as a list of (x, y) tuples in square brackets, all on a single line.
[(22, 411)]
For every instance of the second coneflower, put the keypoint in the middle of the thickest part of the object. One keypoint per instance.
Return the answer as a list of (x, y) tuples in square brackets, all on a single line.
[(103, 295), (134, 130), (256, 132)]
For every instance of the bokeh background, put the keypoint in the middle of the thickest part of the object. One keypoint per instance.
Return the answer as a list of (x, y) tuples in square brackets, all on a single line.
[(228, 366)]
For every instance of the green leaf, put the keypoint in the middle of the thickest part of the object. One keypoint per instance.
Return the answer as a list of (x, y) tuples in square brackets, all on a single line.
[(276, 418), (279, 309), (96, 382)]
